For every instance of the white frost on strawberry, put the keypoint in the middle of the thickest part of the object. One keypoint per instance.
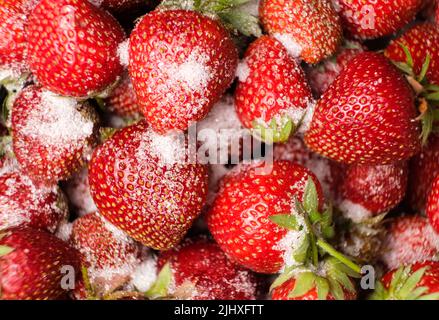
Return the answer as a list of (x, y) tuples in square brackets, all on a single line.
[(292, 46), (243, 71), (123, 52), (354, 211), (145, 274)]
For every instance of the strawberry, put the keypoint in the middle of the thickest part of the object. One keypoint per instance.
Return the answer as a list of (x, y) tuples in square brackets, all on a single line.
[(24, 204), (122, 100), (272, 92), (304, 284), (77, 190), (120, 6), (51, 134), (239, 219), (367, 191), (423, 168), (147, 185), (368, 19), (322, 75), (109, 255), (200, 270), (76, 55), (309, 29), (409, 239), (32, 264), (421, 40), (179, 77), (433, 205), (366, 116), (419, 281)]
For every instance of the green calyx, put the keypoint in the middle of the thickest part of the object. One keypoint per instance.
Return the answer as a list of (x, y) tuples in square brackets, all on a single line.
[(276, 131), (404, 286), (4, 250), (228, 11), (427, 94), (161, 286)]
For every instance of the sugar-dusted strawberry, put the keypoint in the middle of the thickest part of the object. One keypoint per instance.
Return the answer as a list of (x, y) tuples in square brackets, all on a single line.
[(200, 270), (122, 100), (148, 185), (272, 96), (424, 167), (77, 190), (367, 19), (24, 204), (367, 115), (321, 76), (409, 239), (180, 76), (309, 29), (33, 263), (322, 284), (239, 219), (432, 208), (109, 255), (421, 40), (52, 135), (419, 281), (367, 191), (76, 55)]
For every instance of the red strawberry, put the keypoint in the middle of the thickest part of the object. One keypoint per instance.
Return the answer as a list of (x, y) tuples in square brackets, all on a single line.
[(366, 19), (122, 100), (433, 205), (147, 185), (423, 168), (24, 204), (419, 281), (272, 92), (32, 265), (409, 239), (304, 284), (181, 62), (309, 29), (367, 115), (367, 191), (322, 75), (421, 40), (239, 217), (109, 255), (73, 47), (200, 270), (51, 134), (13, 44)]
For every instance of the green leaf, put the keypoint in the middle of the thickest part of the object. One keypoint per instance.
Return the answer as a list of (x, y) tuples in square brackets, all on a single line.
[(408, 55), (424, 69), (283, 277), (304, 283), (379, 293), (403, 67), (287, 221), (433, 96), (336, 289), (432, 296), (411, 283), (322, 286), (4, 250), (310, 197), (161, 286), (301, 254), (416, 293)]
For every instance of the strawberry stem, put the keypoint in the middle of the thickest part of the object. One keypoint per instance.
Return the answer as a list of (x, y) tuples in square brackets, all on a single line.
[(337, 255)]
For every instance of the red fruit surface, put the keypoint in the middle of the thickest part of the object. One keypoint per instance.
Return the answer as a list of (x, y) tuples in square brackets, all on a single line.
[(309, 28), (433, 205), (120, 6), (421, 40), (204, 269), (238, 219), (367, 115), (367, 19), (409, 239), (122, 100), (143, 183), (52, 135), (34, 269), (73, 47), (271, 86), (181, 63)]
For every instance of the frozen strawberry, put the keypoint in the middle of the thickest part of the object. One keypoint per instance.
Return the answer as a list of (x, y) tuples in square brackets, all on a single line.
[(309, 29), (52, 135), (367, 115), (200, 270), (120, 6), (122, 100), (367, 19), (409, 239), (432, 209), (367, 191), (419, 281), (33, 264), (148, 185), (76, 55), (77, 190), (180, 76), (24, 204), (272, 96)]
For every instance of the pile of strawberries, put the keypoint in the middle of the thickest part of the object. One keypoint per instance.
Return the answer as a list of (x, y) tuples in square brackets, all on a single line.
[(103, 194)]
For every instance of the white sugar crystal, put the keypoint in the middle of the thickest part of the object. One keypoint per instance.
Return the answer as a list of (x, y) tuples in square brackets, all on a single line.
[(243, 71), (354, 211), (145, 275), (123, 52), (293, 48), (306, 121), (64, 231)]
